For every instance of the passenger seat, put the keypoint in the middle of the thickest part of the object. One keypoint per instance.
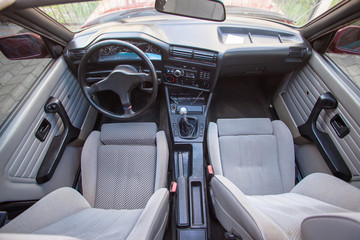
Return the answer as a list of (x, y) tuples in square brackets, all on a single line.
[(253, 189)]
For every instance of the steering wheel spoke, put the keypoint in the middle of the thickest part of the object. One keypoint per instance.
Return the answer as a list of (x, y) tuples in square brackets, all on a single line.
[(89, 90), (144, 77)]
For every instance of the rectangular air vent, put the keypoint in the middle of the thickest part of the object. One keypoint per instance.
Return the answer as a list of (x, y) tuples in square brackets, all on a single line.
[(206, 56), (193, 54), (181, 52)]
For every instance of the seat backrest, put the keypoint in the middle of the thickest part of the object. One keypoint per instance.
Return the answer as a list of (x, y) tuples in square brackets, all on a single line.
[(257, 155), (123, 165)]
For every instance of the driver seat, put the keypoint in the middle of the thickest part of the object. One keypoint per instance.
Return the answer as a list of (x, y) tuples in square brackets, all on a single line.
[(124, 174)]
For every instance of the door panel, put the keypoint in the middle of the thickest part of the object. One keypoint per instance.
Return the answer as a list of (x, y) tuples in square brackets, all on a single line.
[(22, 153), (300, 93)]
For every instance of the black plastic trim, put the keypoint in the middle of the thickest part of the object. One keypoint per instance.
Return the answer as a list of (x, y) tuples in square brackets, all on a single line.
[(322, 140), (58, 144), (340, 126)]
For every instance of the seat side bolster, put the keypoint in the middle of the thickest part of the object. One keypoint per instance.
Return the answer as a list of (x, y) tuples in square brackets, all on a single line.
[(329, 189), (286, 155), (344, 226), (241, 216), (214, 148), (152, 221), (89, 157), (55, 206), (162, 160)]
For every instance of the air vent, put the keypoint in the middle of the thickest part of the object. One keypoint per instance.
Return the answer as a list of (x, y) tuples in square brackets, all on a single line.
[(297, 52), (206, 56), (76, 54), (181, 52), (193, 54)]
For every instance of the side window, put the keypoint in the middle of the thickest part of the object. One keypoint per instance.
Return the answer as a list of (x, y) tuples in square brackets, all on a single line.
[(344, 50), (23, 57)]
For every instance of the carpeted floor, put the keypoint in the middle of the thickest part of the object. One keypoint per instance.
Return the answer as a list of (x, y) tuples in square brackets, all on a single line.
[(240, 98)]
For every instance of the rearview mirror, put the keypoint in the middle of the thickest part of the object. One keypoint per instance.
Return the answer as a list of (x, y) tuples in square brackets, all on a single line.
[(23, 46), (203, 9)]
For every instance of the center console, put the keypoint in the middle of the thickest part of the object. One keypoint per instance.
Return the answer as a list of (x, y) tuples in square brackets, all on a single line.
[(187, 105), (189, 77)]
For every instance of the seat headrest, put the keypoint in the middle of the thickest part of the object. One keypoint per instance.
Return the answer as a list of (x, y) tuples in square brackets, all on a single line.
[(244, 126), (345, 226), (128, 134)]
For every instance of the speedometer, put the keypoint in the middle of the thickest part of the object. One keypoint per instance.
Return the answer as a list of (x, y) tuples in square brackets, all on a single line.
[(153, 49), (105, 51)]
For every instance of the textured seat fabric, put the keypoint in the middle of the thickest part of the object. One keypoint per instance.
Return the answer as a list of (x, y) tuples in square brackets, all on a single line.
[(255, 151), (124, 170), (246, 154)]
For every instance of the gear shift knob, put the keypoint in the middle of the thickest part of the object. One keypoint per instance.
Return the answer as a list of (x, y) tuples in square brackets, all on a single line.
[(183, 110)]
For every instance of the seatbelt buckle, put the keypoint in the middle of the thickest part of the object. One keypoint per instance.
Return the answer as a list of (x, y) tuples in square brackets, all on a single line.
[(209, 172), (173, 187)]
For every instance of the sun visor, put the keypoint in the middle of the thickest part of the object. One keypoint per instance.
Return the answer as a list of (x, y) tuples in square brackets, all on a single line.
[(6, 3)]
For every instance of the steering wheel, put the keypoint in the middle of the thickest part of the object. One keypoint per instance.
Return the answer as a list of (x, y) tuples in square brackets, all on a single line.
[(122, 80)]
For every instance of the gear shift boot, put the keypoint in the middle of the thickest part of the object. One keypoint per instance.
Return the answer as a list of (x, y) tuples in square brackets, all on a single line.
[(187, 125)]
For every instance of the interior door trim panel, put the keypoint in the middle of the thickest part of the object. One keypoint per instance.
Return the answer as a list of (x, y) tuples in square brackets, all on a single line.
[(322, 140), (59, 142), (300, 95), (21, 152)]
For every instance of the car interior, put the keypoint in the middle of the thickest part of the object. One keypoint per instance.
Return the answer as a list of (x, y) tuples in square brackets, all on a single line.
[(182, 120)]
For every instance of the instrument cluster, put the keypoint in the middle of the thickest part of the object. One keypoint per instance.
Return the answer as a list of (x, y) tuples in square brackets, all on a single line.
[(143, 46)]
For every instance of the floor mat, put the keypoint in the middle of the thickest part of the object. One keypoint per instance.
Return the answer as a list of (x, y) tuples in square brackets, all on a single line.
[(239, 98)]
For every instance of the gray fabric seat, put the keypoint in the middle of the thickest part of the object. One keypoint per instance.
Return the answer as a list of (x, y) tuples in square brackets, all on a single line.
[(124, 172), (254, 193)]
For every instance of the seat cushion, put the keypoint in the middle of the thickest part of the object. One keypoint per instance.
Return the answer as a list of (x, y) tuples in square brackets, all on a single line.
[(277, 216), (257, 155), (125, 176), (65, 212), (288, 210), (93, 223)]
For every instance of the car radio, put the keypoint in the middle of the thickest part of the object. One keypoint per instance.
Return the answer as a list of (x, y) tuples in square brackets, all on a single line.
[(187, 75)]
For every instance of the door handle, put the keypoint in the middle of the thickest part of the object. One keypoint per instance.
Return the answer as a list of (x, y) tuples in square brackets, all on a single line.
[(322, 140), (59, 143)]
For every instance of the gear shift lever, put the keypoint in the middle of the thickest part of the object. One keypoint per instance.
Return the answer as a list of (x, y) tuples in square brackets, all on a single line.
[(183, 111), (187, 125)]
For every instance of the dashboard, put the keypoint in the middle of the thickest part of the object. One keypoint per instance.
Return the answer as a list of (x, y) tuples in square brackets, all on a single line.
[(190, 53)]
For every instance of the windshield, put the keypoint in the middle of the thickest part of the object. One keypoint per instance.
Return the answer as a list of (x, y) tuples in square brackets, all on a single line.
[(76, 16)]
